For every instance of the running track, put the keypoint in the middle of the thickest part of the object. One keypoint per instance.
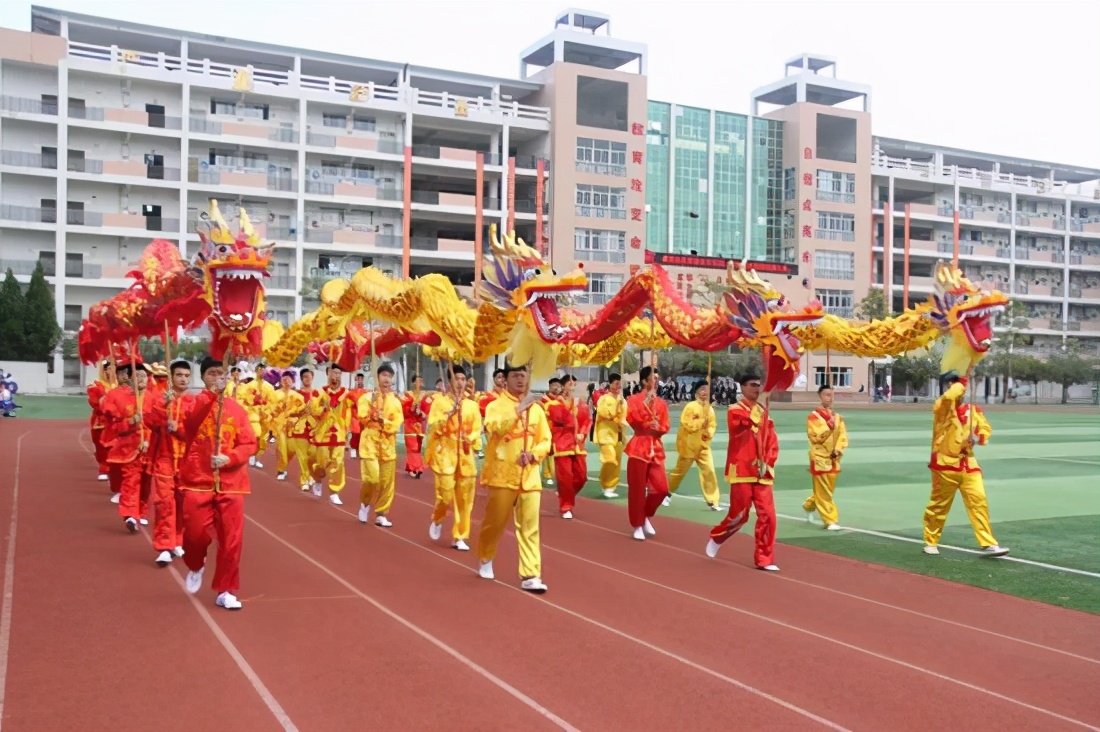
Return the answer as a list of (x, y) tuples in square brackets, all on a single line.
[(347, 626)]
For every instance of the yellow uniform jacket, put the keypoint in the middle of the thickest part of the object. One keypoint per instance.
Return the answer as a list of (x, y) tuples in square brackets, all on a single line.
[(453, 440), (827, 434), (951, 429), (697, 427), (610, 419), (510, 434), (381, 417)]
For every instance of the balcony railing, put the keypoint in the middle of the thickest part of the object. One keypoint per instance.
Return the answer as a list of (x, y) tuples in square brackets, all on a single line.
[(286, 81), (983, 178), (601, 213), (124, 115), (834, 235), (583, 166), (599, 255), (247, 176), (835, 197), (282, 282), (19, 159), (389, 147), (23, 105), (204, 126)]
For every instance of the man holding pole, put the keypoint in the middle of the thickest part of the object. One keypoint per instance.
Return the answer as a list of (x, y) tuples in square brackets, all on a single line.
[(380, 415), (609, 434), (698, 425), (646, 480), (828, 440), (127, 440), (455, 427)]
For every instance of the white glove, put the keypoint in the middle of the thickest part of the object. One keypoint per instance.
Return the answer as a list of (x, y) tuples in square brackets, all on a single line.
[(219, 461)]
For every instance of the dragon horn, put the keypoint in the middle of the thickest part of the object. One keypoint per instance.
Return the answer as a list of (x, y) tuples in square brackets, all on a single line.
[(246, 225), (216, 214), (494, 243)]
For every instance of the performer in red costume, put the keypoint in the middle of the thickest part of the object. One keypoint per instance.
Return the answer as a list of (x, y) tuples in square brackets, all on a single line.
[(646, 479), (97, 391), (355, 392), (128, 442), (214, 480), (414, 427), (569, 423), (164, 465), (750, 470)]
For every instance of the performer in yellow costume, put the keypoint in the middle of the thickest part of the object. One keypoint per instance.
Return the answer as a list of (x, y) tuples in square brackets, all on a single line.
[(255, 395), (285, 402), (956, 428), (332, 408), (300, 426), (610, 421), (828, 440), (454, 426), (519, 439), (381, 416), (697, 427)]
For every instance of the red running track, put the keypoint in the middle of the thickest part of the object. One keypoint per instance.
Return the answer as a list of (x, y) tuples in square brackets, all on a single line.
[(348, 626)]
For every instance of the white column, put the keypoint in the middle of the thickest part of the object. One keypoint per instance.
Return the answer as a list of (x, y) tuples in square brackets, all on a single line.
[(300, 203), (709, 251), (888, 246), (1012, 244), (505, 144), (746, 239), (185, 149), (671, 177), (62, 192)]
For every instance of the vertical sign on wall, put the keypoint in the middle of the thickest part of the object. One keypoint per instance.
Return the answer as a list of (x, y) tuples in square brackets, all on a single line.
[(511, 194), (540, 168)]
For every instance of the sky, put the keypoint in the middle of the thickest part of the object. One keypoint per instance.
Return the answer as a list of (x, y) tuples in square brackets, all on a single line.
[(1012, 78)]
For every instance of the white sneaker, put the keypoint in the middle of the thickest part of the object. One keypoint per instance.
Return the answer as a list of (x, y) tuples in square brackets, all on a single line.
[(102, 476), (833, 527), (334, 499), (143, 522), (229, 601), (610, 493), (567, 515), (714, 507), (769, 568), (131, 525), (994, 551), (460, 545), (178, 551), (931, 549), (810, 515), (306, 486), (485, 570), (435, 531), (281, 476), (164, 558), (364, 513), (252, 461), (549, 481), (316, 489), (193, 583), (639, 534), (533, 584), (712, 548), (383, 522), (354, 454), (649, 528), (115, 497), (259, 464), (667, 501)]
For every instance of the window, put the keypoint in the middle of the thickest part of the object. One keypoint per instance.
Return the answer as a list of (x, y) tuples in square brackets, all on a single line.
[(601, 156), (602, 103), (238, 159), (601, 202), (789, 187), (357, 171), (74, 264), (601, 287), (332, 119), (836, 226), (599, 245), (73, 317), (837, 302), (836, 187), (836, 138), (832, 265), (363, 124), (840, 377), (239, 109)]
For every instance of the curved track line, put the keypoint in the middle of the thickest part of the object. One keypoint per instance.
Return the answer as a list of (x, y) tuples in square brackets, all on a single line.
[(9, 581)]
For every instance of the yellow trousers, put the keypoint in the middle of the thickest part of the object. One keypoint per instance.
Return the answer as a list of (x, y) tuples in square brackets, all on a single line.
[(548, 469), (323, 456), (972, 486), (524, 506), (611, 461), (821, 500), (459, 492), (303, 453), (261, 441), (708, 481), (282, 451), (379, 484)]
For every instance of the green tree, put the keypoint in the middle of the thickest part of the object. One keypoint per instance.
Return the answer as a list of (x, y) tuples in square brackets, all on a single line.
[(1068, 368), (40, 328), (1012, 322), (12, 310), (873, 306), (914, 371)]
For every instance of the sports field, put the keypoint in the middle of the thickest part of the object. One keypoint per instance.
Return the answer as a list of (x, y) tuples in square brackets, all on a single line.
[(1042, 470)]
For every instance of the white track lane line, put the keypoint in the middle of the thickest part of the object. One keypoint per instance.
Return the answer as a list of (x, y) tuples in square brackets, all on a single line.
[(9, 581)]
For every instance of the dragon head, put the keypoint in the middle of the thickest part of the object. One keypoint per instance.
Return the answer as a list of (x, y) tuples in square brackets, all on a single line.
[(519, 279), (964, 311), (766, 319), (231, 268)]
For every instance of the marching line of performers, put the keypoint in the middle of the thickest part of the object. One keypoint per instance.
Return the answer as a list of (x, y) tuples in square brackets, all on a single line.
[(187, 454)]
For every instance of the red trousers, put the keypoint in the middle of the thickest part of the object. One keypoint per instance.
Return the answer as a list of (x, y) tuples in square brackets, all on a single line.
[(743, 495), (647, 486), (168, 509), (207, 515), (413, 461), (572, 473), (101, 454), (134, 486), (355, 440)]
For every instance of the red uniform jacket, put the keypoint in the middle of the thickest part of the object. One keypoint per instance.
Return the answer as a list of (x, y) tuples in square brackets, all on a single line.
[(167, 451), (486, 399), (569, 426), (751, 438), (646, 442), (96, 393), (414, 422), (238, 443), (123, 438), (355, 394)]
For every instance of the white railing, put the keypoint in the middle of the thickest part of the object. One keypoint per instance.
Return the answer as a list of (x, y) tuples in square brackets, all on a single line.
[(985, 178), (357, 91)]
